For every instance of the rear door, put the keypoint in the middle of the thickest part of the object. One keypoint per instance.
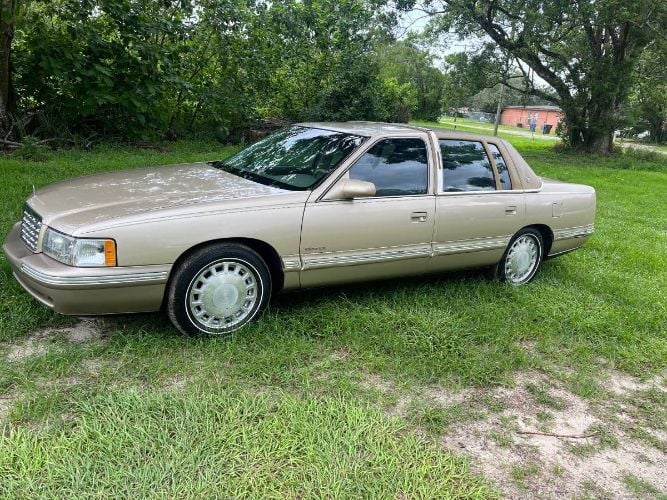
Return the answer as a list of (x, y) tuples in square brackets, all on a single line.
[(478, 211)]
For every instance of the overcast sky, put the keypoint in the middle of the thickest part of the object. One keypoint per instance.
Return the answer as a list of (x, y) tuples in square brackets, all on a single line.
[(415, 22)]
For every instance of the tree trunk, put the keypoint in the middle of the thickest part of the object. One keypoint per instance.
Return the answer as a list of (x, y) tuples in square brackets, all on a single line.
[(656, 126), (589, 139), (7, 11), (590, 128)]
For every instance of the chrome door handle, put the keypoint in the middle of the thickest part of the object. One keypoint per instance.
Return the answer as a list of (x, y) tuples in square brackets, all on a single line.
[(419, 216), (510, 210)]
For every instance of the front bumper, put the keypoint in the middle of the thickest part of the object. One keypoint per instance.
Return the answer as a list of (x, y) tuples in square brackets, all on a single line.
[(80, 290)]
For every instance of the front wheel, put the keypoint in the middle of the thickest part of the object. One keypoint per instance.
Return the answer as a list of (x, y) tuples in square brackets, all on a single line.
[(522, 258), (218, 289)]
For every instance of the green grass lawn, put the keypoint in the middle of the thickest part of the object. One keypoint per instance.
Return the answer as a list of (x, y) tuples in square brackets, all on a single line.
[(285, 407)]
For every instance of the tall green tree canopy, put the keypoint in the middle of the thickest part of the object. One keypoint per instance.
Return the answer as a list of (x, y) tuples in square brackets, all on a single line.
[(647, 106), (408, 64), (135, 67), (475, 79), (585, 50), (171, 67)]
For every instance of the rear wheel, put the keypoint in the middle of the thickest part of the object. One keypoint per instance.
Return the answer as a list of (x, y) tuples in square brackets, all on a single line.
[(218, 289), (522, 258)]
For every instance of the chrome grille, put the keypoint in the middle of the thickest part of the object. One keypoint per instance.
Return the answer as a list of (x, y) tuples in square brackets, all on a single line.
[(31, 224)]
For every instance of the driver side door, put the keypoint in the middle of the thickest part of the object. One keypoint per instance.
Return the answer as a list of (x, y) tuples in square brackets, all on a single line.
[(382, 236)]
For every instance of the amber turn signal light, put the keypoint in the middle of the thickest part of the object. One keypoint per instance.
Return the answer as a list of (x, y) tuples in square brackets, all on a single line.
[(110, 252)]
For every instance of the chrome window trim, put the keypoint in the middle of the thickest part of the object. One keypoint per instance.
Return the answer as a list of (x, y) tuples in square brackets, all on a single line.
[(109, 279), (376, 198), (508, 160), (504, 191), (492, 162)]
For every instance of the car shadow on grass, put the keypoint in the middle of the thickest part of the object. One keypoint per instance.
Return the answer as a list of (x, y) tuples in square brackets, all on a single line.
[(300, 302)]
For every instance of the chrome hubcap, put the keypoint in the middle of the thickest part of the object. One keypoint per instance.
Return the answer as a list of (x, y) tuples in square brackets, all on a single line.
[(222, 295), (522, 259)]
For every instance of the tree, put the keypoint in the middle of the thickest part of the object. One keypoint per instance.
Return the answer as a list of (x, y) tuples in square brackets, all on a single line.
[(465, 76), (585, 50), (397, 101), (8, 12), (325, 63), (106, 65), (145, 68), (648, 97), (408, 64), (482, 73)]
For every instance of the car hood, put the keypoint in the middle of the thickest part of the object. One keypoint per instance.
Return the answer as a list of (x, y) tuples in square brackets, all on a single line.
[(97, 198)]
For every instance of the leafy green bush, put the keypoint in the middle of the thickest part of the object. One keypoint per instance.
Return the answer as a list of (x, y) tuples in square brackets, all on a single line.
[(134, 69)]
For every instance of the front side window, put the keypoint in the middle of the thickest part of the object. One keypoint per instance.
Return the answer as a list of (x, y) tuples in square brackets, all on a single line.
[(501, 166), (295, 158), (397, 167), (466, 167)]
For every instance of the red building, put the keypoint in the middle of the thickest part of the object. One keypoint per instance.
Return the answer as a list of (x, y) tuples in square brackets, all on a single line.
[(515, 116)]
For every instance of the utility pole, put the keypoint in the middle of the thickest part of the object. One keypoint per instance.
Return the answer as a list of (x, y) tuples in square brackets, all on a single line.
[(462, 56), (499, 109)]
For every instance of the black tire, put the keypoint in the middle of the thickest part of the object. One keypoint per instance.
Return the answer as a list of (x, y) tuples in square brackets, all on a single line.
[(199, 272), (503, 272)]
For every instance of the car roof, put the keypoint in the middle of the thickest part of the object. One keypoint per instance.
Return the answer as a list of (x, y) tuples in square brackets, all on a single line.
[(368, 129), (372, 129)]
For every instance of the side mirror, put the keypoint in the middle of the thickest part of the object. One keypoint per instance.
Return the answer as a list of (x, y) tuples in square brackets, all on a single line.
[(348, 189)]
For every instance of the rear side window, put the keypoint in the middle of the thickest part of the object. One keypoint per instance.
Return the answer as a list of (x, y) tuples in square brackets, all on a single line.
[(503, 172), (466, 167), (397, 167)]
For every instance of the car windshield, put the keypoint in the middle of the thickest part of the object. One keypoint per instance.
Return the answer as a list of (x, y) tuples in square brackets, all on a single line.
[(295, 158)]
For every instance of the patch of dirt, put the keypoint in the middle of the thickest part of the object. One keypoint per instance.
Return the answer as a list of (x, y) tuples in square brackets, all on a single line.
[(68, 417), (86, 330), (579, 449), (622, 383), (94, 366), (31, 347), (36, 344), (341, 354), (6, 403), (400, 400), (530, 346), (175, 383), (602, 461)]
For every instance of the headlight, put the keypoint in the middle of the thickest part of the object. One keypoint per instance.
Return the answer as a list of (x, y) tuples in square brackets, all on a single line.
[(79, 252)]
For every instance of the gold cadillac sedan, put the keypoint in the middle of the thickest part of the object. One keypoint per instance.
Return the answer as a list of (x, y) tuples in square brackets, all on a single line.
[(313, 204)]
